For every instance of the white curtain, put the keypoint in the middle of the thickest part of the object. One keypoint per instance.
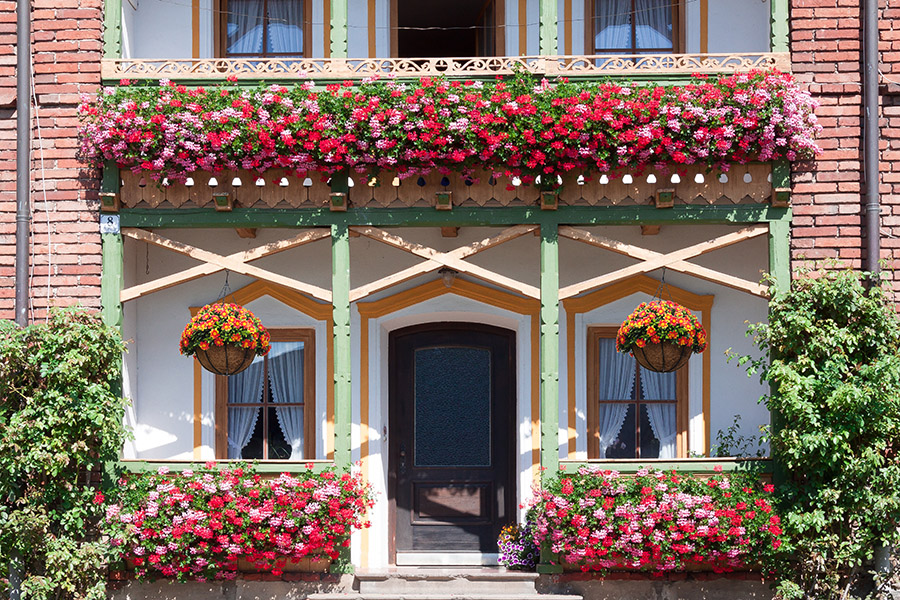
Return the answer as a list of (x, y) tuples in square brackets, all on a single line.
[(245, 26), (285, 26), (612, 24), (616, 379), (653, 24), (661, 386), (245, 387), (286, 377)]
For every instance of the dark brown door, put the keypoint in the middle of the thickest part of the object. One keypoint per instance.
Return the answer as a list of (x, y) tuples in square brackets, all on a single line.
[(452, 399)]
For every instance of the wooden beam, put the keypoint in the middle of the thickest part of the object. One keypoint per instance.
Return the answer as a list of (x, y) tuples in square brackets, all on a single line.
[(655, 260), (449, 232), (230, 263), (431, 265), (246, 232), (650, 229), (448, 259)]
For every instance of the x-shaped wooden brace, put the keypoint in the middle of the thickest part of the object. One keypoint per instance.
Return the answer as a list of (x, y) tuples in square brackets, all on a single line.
[(673, 260), (436, 259), (233, 262)]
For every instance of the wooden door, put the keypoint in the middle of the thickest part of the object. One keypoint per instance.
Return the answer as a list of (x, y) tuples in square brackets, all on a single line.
[(452, 450)]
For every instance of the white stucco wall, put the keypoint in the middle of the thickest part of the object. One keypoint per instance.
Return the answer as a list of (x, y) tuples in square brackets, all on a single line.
[(160, 381)]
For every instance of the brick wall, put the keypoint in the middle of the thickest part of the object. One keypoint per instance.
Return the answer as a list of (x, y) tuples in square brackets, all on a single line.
[(66, 46), (826, 45)]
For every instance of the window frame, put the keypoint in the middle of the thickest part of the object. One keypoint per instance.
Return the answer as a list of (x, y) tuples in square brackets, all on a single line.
[(682, 408), (220, 37), (678, 32), (497, 7), (308, 337)]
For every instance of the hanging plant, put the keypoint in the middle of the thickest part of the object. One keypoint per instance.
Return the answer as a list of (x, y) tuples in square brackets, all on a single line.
[(225, 338), (661, 335)]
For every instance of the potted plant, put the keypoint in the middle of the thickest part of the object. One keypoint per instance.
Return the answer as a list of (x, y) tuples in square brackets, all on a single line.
[(225, 338), (661, 335)]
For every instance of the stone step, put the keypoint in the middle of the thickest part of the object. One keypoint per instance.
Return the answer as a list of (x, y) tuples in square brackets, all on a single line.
[(438, 593), (447, 580)]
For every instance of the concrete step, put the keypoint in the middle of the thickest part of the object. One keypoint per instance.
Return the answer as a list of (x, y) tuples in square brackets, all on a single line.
[(448, 581)]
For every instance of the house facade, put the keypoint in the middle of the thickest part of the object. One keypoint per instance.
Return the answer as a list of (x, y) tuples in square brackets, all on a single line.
[(453, 334)]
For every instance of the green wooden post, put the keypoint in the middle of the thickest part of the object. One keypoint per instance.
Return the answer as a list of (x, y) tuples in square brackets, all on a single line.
[(340, 290), (112, 28), (111, 278), (780, 270), (549, 367), (779, 32), (549, 22), (339, 28)]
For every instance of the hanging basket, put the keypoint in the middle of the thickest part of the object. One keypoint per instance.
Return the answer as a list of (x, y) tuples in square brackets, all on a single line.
[(229, 359), (225, 338), (662, 358)]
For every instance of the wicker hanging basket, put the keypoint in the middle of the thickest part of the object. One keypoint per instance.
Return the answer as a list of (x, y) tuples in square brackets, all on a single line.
[(662, 358), (229, 359)]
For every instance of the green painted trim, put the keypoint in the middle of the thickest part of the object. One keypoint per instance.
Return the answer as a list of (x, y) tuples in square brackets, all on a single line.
[(549, 23), (112, 28), (461, 217), (340, 290), (111, 182), (779, 33), (687, 465), (781, 174), (780, 254), (339, 28), (267, 467), (549, 351), (111, 279)]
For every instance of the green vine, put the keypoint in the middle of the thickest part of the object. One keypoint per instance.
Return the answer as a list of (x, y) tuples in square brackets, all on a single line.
[(60, 423), (834, 371)]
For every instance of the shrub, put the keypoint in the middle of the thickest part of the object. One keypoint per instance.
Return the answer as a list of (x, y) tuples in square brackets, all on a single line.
[(657, 521), (518, 548), (834, 371), (198, 524), (61, 421)]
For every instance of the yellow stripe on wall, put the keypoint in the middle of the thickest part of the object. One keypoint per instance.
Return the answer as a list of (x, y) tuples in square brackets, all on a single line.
[(195, 28), (704, 26), (523, 27), (567, 18)]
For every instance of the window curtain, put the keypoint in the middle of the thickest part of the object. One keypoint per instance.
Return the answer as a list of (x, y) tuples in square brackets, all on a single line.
[(616, 379), (661, 386), (286, 377), (285, 26), (245, 27), (244, 388), (612, 22), (653, 24)]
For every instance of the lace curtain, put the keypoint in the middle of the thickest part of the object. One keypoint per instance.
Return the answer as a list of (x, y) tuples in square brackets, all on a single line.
[(284, 22), (245, 27), (245, 387), (286, 377), (285, 32), (652, 24), (616, 379), (661, 386)]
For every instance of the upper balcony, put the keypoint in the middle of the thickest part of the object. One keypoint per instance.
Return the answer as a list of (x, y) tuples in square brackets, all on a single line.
[(291, 39)]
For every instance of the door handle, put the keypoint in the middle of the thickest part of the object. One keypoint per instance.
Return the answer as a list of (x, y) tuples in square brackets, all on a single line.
[(402, 466)]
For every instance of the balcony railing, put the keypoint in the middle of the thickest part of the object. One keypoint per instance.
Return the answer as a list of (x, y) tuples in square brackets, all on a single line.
[(636, 65)]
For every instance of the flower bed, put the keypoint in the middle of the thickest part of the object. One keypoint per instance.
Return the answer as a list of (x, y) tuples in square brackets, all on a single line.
[(517, 127), (201, 524), (657, 521)]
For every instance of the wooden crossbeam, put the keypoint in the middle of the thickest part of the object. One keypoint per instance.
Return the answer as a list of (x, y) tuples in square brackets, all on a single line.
[(233, 262), (676, 260), (453, 259)]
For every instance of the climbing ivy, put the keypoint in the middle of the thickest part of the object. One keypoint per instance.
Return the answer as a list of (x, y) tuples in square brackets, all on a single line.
[(834, 374), (61, 420)]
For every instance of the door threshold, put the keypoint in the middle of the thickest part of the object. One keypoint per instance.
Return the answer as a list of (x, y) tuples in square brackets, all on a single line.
[(422, 559)]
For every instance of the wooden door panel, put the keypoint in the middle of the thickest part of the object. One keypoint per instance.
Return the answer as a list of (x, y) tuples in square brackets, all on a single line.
[(452, 415)]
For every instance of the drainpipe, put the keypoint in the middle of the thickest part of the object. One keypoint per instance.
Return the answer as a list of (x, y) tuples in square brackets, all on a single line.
[(23, 156), (23, 207), (870, 150)]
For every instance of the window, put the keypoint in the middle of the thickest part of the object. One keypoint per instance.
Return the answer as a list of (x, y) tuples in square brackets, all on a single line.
[(632, 412), (267, 411), (462, 28), (265, 28), (633, 26)]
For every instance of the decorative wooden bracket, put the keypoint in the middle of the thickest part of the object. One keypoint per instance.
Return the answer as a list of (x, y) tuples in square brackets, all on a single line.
[(673, 260), (214, 263), (665, 198), (436, 259), (549, 201), (338, 201), (443, 200), (109, 202)]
